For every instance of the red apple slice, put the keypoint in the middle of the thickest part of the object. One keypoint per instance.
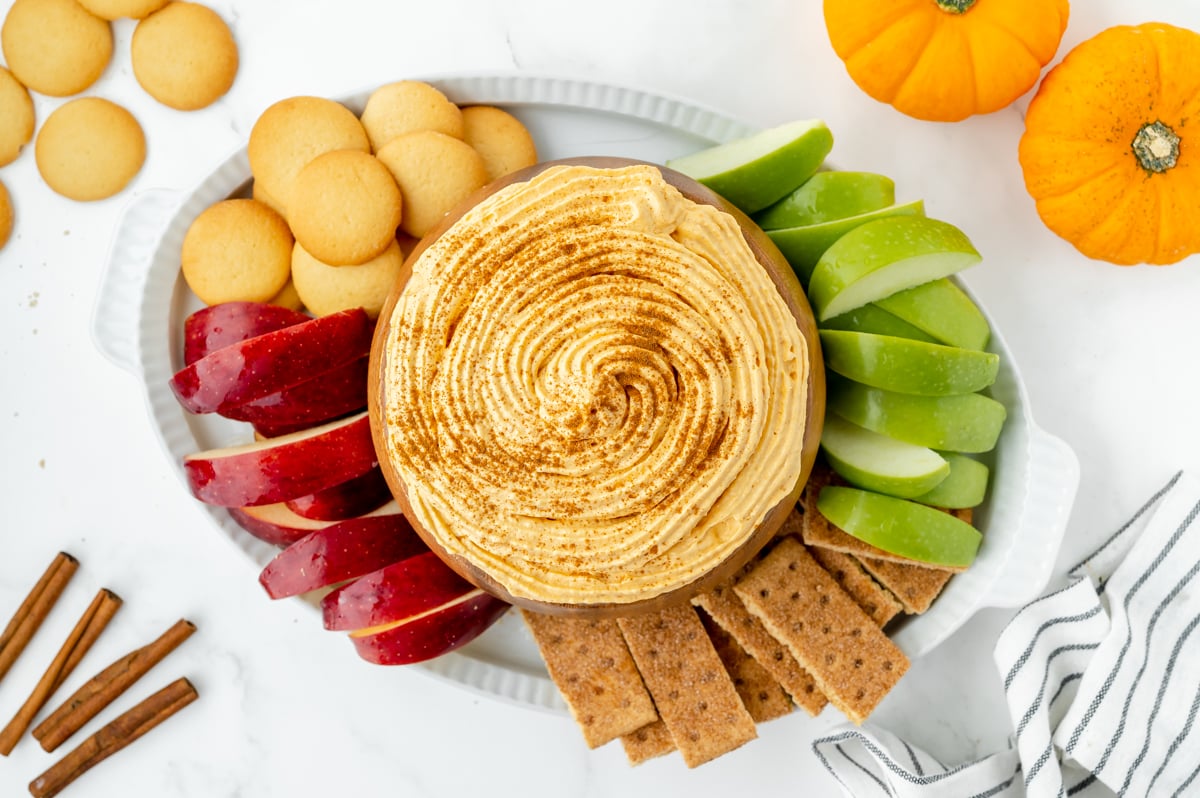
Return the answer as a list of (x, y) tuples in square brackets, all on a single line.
[(278, 469), (401, 590), (279, 524), (345, 499), (333, 394), (218, 326), (435, 632), (275, 523), (268, 363), (341, 551)]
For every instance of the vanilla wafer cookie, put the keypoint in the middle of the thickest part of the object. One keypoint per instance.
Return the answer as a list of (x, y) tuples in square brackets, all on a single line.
[(408, 105), (649, 742), (848, 572), (184, 55), (70, 138), (6, 216), (588, 660), (16, 117), (852, 660), (291, 133), (55, 47), (764, 697), (694, 695), (116, 9), (913, 585), (724, 607), (500, 139)]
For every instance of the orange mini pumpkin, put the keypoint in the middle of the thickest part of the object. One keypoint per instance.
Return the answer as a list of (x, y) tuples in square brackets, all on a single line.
[(1111, 149), (944, 60)]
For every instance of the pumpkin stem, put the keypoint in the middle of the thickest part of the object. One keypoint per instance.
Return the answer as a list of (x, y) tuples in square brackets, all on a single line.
[(1156, 147), (955, 6)]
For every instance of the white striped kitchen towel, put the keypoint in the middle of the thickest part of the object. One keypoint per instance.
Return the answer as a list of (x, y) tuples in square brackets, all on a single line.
[(1102, 680)]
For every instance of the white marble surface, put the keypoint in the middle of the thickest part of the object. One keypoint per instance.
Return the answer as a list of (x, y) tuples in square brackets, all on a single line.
[(287, 709)]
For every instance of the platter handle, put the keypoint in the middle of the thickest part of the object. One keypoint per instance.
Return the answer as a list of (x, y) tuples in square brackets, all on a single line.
[(122, 281), (1053, 483)]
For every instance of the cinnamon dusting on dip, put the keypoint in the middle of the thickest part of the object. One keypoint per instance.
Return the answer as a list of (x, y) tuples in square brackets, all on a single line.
[(593, 390)]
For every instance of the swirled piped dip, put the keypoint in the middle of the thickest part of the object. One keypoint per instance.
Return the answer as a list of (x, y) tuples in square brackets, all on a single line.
[(593, 391)]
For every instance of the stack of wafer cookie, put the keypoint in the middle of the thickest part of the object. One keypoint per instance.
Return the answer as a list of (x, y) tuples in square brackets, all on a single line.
[(802, 625)]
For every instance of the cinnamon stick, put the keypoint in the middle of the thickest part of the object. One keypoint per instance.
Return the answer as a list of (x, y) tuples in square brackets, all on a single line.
[(113, 737), (104, 688), (89, 627), (34, 609)]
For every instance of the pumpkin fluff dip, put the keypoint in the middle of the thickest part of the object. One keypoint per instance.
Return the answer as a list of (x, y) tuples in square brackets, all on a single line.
[(590, 392)]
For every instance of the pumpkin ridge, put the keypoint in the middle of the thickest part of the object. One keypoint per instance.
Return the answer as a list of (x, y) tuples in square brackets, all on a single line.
[(940, 28), (883, 31), (846, 52), (1082, 182), (1015, 36), (1156, 45), (1178, 238), (928, 34), (1159, 221), (1055, 213), (970, 66), (1119, 244)]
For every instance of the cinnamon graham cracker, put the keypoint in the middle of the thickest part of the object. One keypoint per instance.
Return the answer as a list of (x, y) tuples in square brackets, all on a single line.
[(852, 661), (588, 660), (764, 698), (848, 572), (694, 695), (649, 742), (724, 607), (913, 585)]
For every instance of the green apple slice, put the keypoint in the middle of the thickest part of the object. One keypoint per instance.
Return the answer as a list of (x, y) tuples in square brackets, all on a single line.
[(757, 170), (879, 258), (902, 527), (803, 246), (968, 422), (944, 311), (827, 196), (906, 366), (965, 486), (879, 463), (874, 319)]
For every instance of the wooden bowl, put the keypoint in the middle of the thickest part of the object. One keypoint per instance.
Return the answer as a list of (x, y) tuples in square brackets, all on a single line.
[(793, 295)]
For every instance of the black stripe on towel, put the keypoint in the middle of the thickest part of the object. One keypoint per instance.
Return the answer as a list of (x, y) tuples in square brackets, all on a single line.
[(1082, 784), (878, 781), (1028, 652), (1186, 783), (1179, 738), (1125, 527), (1037, 600), (1112, 675), (1041, 761), (1176, 589), (1041, 694), (1070, 677), (884, 758), (1158, 699), (999, 788), (913, 756)]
